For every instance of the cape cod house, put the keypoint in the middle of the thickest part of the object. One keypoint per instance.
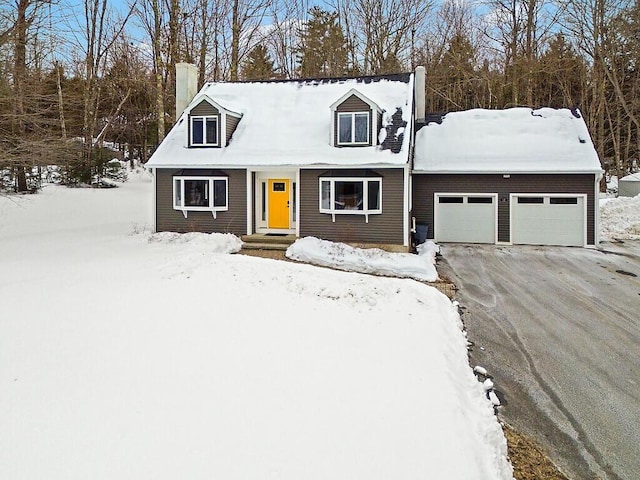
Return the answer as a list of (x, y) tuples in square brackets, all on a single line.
[(327, 158), (334, 158)]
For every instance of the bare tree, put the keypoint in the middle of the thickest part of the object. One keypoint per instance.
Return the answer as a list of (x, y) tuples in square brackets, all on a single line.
[(383, 30)]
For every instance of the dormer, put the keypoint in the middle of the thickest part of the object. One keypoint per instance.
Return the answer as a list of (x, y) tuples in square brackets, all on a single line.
[(210, 125), (355, 121)]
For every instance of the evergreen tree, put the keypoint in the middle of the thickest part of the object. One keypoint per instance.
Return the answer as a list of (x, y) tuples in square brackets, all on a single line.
[(323, 49), (561, 80), (258, 65)]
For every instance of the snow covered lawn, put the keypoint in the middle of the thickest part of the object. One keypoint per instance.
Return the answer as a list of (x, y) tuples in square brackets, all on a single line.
[(126, 355)]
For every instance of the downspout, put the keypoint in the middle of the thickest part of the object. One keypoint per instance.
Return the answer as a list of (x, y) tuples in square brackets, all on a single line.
[(596, 207)]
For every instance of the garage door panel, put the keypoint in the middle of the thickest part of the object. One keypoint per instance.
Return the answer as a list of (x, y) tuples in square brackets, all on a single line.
[(561, 222), (458, 220)]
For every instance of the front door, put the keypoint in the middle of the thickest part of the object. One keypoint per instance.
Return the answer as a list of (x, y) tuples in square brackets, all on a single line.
[(279, 202)]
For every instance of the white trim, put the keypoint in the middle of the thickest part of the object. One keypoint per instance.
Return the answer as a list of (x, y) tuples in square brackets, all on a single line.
[(505, 172), (297, 219), (205, 119), (545, 197), (353, 128), (210, 208), (283, 168), (154, 194), (406, 208), (362, 97), (255, 200), (199, 98), (249, 176), (437, 195)]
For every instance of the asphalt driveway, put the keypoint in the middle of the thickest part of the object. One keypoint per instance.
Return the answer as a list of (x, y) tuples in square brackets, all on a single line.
[(559, 330)]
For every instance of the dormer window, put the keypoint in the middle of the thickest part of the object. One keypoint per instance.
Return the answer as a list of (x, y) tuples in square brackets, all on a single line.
[(353, 128), (204, 131), (355, 120)]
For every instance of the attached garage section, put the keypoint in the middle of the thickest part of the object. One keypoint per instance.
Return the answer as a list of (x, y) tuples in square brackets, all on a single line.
[(465, 218), (566, 215), (539, 219)]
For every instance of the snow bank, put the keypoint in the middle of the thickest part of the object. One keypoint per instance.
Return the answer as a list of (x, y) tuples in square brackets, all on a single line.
[(214, 242), (620, 218), (370, 260)]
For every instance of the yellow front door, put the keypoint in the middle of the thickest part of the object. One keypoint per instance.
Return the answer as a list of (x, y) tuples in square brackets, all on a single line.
[(279, 202)]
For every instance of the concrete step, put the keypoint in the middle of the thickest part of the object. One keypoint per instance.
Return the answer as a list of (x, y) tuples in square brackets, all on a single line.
[(271, 239), (264, 246)]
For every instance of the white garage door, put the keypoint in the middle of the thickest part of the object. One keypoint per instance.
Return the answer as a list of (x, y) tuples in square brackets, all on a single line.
[(548, 219), (465, 218)]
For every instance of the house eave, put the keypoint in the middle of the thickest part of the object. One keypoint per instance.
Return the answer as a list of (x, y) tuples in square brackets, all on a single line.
[(506, 172), (257, 167)]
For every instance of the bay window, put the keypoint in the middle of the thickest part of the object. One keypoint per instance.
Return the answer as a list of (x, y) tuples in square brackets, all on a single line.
[(208, 194), (352, 196)]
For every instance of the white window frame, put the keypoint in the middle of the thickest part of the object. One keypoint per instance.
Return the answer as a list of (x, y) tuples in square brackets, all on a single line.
[(365, 196), (210, 208), (204, 119), (353, 127)]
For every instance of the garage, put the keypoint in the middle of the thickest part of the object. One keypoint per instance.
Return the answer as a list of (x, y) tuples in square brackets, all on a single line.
[(548, 219), (465, 218)]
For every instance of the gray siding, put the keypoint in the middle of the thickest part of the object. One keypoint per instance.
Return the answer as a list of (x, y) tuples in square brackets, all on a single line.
[(232, 123), (232, 221), (353, 104), (425, 185), (204, 108), (386, 227)]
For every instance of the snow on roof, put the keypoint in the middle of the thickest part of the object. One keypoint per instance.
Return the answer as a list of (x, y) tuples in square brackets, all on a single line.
[(516, 140), (288, 124), (634, 177)]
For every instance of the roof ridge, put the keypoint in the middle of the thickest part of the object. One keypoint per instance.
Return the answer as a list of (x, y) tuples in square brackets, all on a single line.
[(403, 77)]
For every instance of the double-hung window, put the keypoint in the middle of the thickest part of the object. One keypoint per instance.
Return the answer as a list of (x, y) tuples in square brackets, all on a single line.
[(352, 196), (353, 128), (204, 131), (204, 194)]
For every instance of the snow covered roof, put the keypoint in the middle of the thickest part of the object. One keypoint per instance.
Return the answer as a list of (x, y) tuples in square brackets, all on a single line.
[(516, 140), (289, 123), (634, 177)]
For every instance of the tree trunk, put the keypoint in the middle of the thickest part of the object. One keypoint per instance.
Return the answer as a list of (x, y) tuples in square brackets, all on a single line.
[(157, 53), (20, 78), (235, 41)]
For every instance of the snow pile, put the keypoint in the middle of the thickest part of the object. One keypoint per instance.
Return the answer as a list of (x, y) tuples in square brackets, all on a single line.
[(429, 248), (506, 141), (620, 218), (214, 242), (364, 260), (122, 358)]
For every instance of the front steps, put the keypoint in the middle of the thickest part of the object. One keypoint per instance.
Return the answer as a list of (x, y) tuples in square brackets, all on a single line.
[(261, 241)]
